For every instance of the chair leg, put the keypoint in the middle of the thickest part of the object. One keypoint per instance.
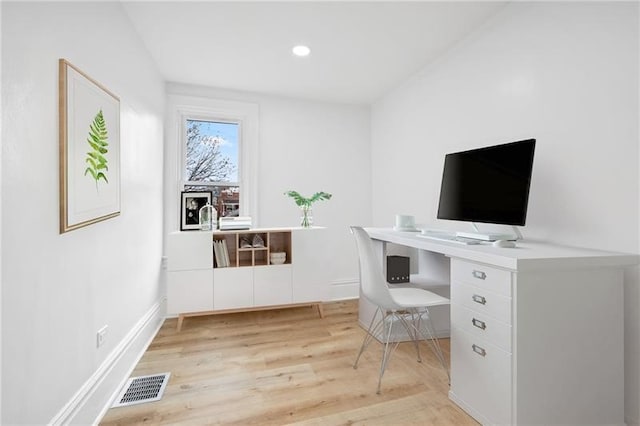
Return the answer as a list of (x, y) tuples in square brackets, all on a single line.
[(414, 335), (411, 332), (371, 332), (388, 349), (438, 350), (433, 340)]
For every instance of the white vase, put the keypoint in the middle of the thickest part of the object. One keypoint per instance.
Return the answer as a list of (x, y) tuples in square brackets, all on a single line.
[(207, 217), (306, 221)]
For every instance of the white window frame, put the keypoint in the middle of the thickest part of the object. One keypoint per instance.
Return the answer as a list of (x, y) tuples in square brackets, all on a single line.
[(246, 115)]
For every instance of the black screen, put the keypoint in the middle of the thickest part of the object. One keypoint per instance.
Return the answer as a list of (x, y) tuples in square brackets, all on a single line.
[(489, 185)]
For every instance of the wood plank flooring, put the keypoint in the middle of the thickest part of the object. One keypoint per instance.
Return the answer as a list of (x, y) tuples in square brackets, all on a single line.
[(287, 367)]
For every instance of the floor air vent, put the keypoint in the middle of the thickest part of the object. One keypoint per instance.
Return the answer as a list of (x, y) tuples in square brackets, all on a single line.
[(139, 390)]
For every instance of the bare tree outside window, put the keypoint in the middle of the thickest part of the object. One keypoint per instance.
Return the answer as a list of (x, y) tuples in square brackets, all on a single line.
[(212, 149), (206, 161)]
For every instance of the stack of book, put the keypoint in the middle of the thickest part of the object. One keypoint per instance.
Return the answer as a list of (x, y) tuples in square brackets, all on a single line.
[(239, 222), (221, 253)]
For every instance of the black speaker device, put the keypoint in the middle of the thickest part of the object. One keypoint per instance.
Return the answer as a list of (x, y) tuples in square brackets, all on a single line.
[(397, 269)]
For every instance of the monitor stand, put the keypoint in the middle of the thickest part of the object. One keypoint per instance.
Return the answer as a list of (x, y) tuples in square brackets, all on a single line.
[(491, 236)]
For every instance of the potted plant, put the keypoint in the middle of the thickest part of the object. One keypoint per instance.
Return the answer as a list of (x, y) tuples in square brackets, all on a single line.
[(305, 204)]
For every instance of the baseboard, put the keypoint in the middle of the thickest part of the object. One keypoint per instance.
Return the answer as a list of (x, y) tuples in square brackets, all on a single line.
[(469, 410), (94, 398), (344, 289)]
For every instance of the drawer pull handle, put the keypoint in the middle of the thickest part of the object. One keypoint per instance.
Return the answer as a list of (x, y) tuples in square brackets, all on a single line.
[(480, 324), (479, 299), (479, 275), (480, 351)]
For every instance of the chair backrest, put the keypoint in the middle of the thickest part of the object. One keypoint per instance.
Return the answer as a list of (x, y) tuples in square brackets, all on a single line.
[(372, 282)]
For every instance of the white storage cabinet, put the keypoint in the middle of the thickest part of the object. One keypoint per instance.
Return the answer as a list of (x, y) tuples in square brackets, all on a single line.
[(200, 285)]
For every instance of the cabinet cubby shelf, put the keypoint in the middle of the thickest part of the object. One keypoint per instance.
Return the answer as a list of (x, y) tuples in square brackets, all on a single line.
[(239, 256)]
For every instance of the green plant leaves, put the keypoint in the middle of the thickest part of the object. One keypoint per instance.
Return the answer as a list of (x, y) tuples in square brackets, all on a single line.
[(307, 202), (97, 140), (319, 196)]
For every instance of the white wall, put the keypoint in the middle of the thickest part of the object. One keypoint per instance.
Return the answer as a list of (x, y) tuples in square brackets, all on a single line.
[(0, 218), (58, 290), (304, 146), (564, 73)]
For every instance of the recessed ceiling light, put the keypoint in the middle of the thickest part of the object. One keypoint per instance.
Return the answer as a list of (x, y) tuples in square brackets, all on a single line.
[(301, 50)]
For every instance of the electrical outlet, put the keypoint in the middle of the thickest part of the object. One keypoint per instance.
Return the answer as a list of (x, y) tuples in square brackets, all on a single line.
[(102, 334)]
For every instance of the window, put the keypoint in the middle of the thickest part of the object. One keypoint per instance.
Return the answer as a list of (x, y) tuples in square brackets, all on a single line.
[(212, 161), (215, 124)]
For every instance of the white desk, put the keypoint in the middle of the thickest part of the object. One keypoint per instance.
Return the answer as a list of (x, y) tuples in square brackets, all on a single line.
[(536, 330)]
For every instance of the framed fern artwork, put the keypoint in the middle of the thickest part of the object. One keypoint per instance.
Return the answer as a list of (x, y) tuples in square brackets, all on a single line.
[(89, 150)]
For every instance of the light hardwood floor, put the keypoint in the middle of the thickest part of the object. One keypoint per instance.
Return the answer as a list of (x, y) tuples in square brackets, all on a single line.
[(287, 367)]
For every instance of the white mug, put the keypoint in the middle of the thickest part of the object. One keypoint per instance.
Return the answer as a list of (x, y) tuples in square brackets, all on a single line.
[(404, 221)]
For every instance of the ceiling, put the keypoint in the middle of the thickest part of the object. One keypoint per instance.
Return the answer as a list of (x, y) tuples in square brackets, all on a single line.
[(359, 50)]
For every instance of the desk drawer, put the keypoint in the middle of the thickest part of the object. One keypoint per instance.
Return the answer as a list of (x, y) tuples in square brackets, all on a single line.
[(482, 326), (483, 301), (483, 276), (481, 377)]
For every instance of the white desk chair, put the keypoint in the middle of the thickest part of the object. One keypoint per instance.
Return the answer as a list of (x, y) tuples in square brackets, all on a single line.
[(406, 306)]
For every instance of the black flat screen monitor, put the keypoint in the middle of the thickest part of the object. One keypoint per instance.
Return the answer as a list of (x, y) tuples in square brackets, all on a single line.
[(488, 185)]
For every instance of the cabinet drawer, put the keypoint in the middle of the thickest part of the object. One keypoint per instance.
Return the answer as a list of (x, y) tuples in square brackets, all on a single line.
[(481, 377), (479, 275), (232, 288), (482, 326), (189, 291), (310, 265), (189, 250), (272, 285), (483, 301)]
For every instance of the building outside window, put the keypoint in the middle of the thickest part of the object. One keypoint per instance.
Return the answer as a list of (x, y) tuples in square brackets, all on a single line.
[(212, 161)]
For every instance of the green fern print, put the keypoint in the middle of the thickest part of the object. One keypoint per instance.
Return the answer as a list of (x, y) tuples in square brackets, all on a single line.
[(97, 140)]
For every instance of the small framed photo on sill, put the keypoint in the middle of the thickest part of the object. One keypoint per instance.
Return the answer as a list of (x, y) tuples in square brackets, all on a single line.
[(190, 205)]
